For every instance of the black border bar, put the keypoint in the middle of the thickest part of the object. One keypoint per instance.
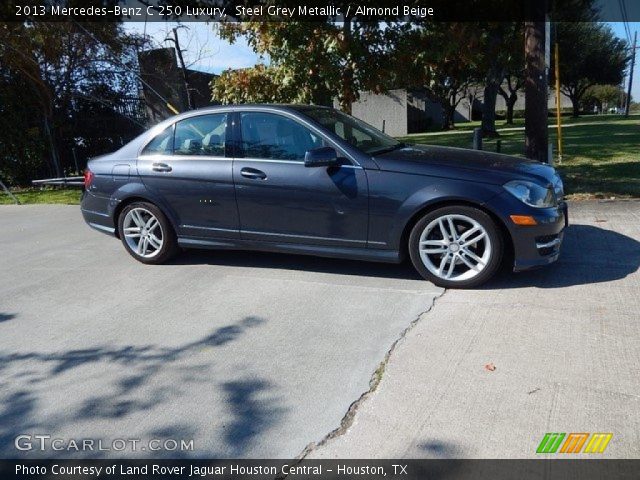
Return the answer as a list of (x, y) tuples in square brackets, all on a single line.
[(315, 10), (549, 468)]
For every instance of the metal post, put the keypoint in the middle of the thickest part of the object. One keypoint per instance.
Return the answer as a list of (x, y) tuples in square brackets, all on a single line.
[(17, 202), (633, 63), (498, 145), (75, 159), (477, 138)]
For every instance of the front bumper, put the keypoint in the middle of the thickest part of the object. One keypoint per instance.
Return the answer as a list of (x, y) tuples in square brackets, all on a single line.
[(535, 245)]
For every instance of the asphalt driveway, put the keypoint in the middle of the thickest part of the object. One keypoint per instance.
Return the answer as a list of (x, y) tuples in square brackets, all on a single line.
[(248, 354)]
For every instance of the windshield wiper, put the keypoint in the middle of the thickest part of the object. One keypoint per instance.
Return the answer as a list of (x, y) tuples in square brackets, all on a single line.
[(388, 149)]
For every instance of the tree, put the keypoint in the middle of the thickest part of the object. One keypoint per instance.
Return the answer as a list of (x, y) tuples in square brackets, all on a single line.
[(320, 60), (442, 57), (513, 79), (259, 84), (21, 148), (603, 97), (60, 65), (590, 54), (500, 57), (513, 83)]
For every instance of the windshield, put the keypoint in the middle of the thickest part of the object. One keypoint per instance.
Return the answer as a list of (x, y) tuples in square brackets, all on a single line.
[(359, 134)]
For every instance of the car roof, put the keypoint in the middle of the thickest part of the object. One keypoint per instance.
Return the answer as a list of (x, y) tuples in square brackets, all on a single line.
[(277, 106)]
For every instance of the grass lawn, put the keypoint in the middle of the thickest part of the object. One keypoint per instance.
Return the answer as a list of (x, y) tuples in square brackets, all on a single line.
[(601, 153), (67, 196)]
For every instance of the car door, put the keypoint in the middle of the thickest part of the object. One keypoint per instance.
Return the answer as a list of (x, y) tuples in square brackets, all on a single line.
[(187, 168), (281, 200)]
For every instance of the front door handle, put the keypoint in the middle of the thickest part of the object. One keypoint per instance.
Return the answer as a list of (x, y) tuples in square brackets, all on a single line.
[(161, 167), (253, 173)]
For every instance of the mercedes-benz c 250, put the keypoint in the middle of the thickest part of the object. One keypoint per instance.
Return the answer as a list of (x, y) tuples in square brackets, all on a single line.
[(312, 180)]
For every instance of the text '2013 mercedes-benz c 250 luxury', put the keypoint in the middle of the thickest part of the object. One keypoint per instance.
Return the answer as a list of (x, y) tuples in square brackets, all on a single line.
[(311, 180)]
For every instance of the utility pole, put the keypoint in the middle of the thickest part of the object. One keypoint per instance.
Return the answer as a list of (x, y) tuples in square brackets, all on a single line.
[(558, 101), (633, 64), (185, 74), (536, 84)]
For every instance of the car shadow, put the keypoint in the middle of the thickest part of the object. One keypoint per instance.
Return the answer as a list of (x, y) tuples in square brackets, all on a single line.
[(589, 255), (5, 317), (281, 261)]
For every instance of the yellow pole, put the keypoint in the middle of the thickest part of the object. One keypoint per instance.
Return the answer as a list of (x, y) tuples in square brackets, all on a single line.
[(172, 108), (558, 104)]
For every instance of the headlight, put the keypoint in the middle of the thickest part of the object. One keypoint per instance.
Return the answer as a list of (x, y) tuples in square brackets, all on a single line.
[(532, 194), (558, 187)]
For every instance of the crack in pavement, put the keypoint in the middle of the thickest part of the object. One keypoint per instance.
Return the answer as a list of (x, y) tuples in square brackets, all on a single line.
[(374, 382)]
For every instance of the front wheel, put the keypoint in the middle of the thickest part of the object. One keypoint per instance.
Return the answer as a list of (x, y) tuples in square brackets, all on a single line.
[(456, 247), (146, 233)]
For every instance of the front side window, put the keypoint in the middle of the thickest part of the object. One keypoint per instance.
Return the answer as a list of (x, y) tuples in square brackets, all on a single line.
[(201, 135), (271, 136), (358, 133)]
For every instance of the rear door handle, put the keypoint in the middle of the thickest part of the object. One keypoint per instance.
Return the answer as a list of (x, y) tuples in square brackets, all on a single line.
[(161, 167), (253, 173)]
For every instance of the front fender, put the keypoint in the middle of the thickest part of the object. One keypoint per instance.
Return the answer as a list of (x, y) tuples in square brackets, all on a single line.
[(397, 198)]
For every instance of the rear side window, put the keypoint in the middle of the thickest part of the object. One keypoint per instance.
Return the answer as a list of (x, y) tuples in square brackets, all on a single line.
[(202, 135), (162, 144), (270, 136)]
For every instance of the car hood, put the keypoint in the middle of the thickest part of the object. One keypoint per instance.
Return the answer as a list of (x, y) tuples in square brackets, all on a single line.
[(464, 164)]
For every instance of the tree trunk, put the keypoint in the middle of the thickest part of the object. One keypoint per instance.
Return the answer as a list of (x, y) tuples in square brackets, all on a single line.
[(321, 97), (493, 79), (185, 72), (320, 94), (489, 109), (448, 112), (346, 100), (347, 87), (575, 104), (535, 121), (54, 159), (511, 103)]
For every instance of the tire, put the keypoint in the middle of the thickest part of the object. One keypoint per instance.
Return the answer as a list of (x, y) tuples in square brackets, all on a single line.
[(475, 248), (135, 226)]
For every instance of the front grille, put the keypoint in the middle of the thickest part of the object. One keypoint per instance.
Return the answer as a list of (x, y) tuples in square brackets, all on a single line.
[(548, 244), (546, 238)]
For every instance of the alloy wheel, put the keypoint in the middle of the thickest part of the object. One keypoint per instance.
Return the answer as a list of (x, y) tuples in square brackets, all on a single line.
[(455, 247), (142, 232)]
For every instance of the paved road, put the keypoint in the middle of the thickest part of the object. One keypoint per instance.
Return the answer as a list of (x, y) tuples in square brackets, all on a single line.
[(565, 343), (248, 354), (258, 355)]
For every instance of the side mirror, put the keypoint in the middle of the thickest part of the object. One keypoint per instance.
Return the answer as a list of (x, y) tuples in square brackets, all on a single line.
[(321, 157)]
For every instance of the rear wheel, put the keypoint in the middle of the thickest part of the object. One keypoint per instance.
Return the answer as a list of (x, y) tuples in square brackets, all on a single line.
[(456, 247), (146, 233)]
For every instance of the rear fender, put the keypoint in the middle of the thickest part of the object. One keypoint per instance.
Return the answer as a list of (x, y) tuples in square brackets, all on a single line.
[(132, 192)]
